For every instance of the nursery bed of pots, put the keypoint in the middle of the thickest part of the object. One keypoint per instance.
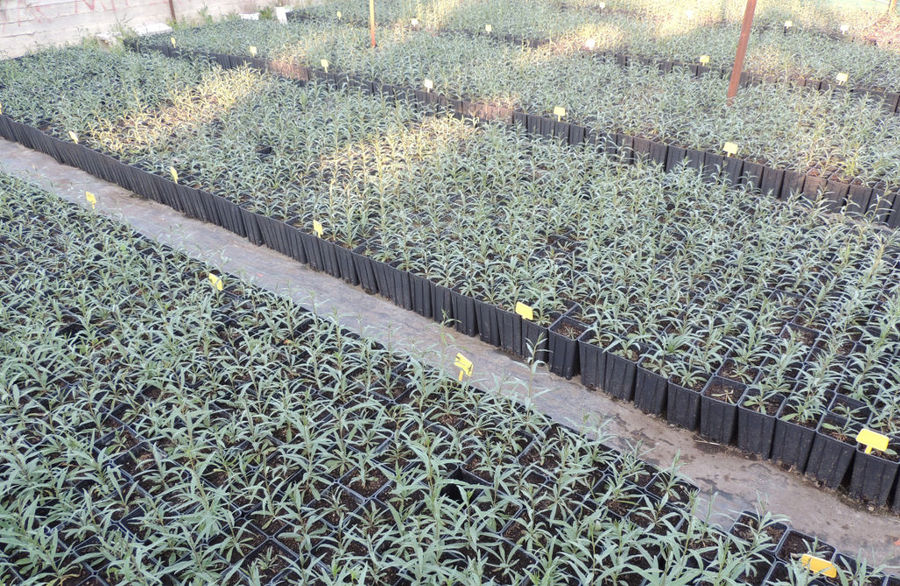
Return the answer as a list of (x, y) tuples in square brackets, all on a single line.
[(764, 323), (650, 52), (166, 425), (801, 54), (784, 131)]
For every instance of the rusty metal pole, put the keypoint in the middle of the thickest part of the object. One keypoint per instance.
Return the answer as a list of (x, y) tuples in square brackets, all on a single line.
[(741, 51), (372, 21)]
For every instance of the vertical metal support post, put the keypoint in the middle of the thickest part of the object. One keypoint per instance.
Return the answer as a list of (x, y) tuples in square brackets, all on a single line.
[(741, 51), (372, 21)]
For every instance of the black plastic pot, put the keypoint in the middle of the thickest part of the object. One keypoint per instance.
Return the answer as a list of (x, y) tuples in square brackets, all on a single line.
[(563, 346), (770, 183), (858, 199), (695, 159), (873, 477), (732, 169), (535, 342), (829, 458), (464, 313), (364, 270), (641, 147), (618, 376), (624, 147), (792, 183), (792, 442), (346, 266), (812, 186), (420, 289), (592, 359), (752, 174), (674, 157), (650, 390), (510, 328), (658, 152), (402, 292), (836, 195), (441, 304), (755, 430), (577, 134), (682, 406), (713, 166), (718, 417), (488, 322)]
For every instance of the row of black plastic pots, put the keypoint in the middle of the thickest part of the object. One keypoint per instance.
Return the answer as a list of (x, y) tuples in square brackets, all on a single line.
[(890, 99), (559, 345), (881, 203)]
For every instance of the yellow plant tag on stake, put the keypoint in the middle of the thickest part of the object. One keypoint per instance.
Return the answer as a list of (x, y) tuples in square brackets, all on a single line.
[(73, 136), (415, 22), (590, 44), (704, 59), (872, 440), (216, 281), (526, 311), (559, 112), (1, 109), (788, 24), (174, 174), (324, 63), (488, 29), (464, 364), (601, 6), (252, 51), (317, 228), (339, 15), (842, 78), (730, 148), (172, 40), (818, 566), (91, 199), (845, 28), (429, 85)]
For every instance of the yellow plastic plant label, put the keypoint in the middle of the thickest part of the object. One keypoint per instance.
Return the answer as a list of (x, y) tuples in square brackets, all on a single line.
[(216, 281), (172, 40), (429, 85), (818, 566), (845, 28), (590, 44), (601, 5), (91, 199), (872, 440), (788, 23), (324, 63), (317, 228), (559, 112), (339, 15), (252, 51), (1, 109), (842, 78), (730, 148), (704, 59), (414, 22), (174, 174), (525, 311), (73, 136), (488, 29), (464, 364)]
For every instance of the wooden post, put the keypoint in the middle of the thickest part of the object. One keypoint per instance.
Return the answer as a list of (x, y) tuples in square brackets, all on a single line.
[(741, 51), (372, 21)]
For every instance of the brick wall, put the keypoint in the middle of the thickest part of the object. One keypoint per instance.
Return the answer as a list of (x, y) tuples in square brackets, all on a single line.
[(26, 25)]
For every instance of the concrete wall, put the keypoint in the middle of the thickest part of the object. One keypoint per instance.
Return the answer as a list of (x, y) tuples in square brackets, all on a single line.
[(26, 25)]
